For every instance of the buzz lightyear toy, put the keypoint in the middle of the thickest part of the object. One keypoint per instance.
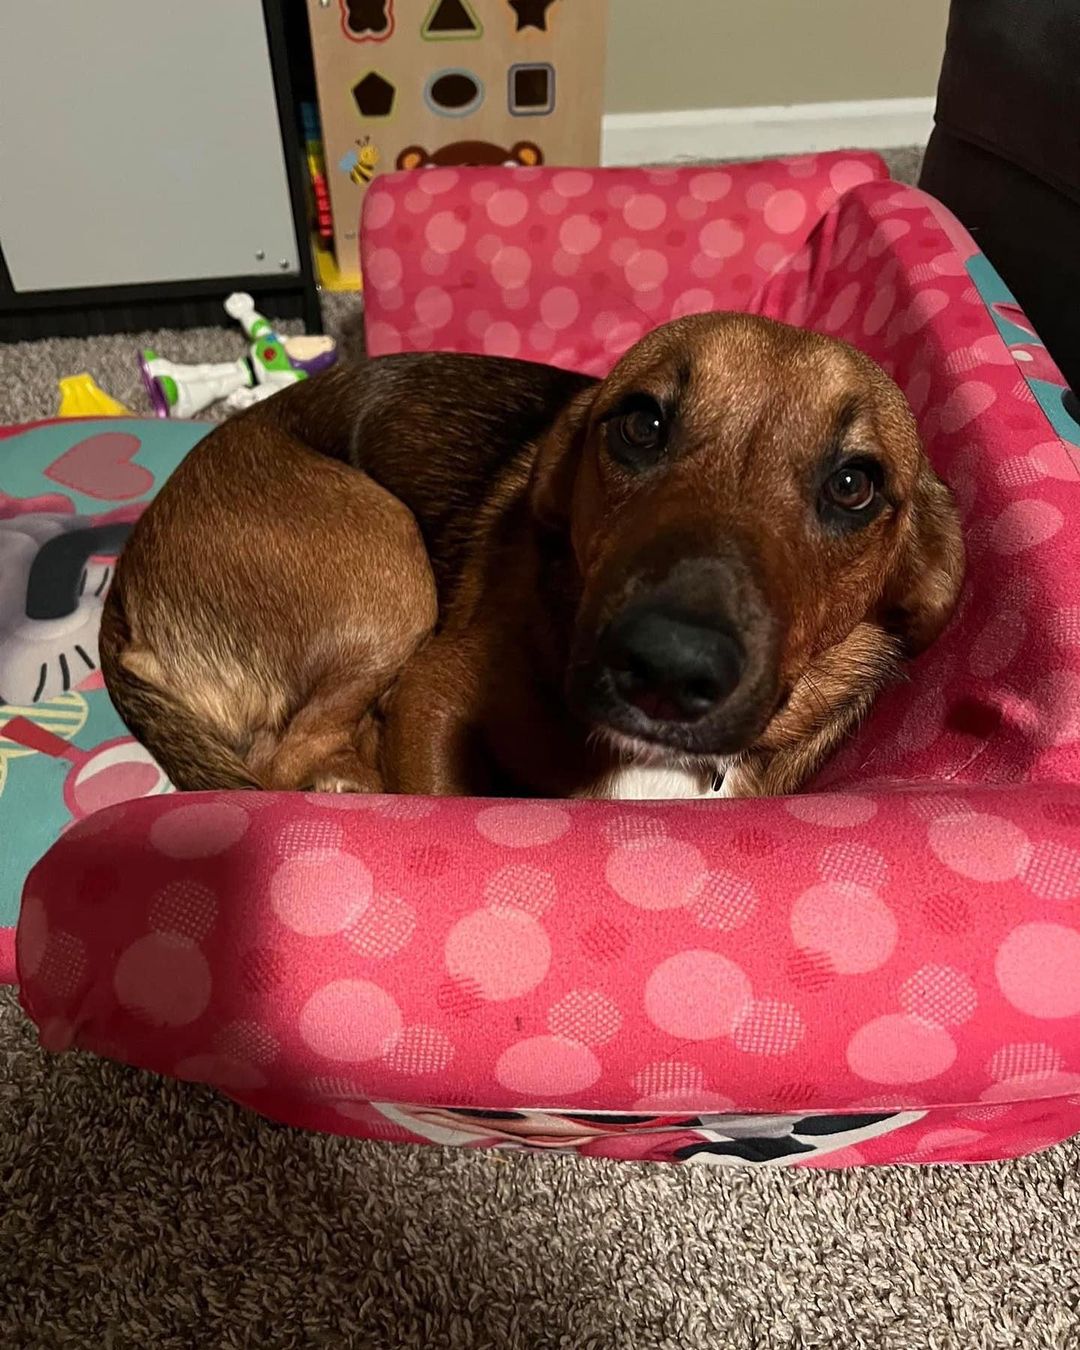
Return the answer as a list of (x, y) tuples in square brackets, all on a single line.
[(272, 363)]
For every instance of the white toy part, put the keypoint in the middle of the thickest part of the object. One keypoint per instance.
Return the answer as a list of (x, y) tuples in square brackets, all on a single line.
[(43, 657), (188, 389), (240, 399)]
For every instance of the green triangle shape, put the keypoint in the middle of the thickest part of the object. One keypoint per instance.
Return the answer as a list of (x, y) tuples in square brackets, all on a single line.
[(447, 19)]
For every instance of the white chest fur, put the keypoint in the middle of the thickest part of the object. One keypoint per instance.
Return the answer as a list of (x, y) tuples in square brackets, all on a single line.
[(660, 782)]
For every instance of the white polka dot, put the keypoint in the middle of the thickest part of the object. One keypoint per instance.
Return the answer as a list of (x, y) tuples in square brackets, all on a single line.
[(519, 886), (967, 402), (350, 1020), (898, 1049), (1038, 969), (524, 825), (199, 831), (444, 232), (507, 206), (644, 211), (849, 924), (939, 994), (1025, 524), (692, 1102), (585, 1015), (382, 338), (579, 235), (378, 209), (1032, 1087), (695, 301), (721, 239), (853, 861), (383, 929), (665, 874), (63, 967), (837, 810), (998, 643), (499, 953), (1053, 871), (1025, 1058), (572, 183), (785, 211), (163, 979), (1056, 695), (310, 836), (849, 173), (502, 339), (769, 1027), (842, 307), (878, 310), (184, 907), (421, 1050), (646, 269), (697, 995), (317, 896), (710, 186), (982, 847), (511, 267), (434, 307), (559, 307), (546, 1068), (383, 267), (724, 902)]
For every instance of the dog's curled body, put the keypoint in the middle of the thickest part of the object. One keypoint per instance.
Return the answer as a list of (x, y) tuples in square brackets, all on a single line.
[(465, 575)]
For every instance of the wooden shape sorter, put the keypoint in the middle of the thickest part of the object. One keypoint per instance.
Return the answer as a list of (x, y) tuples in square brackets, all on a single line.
[(405, 84)]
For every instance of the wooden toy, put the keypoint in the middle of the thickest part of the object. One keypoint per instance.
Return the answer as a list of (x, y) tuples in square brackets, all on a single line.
[(405, 84)]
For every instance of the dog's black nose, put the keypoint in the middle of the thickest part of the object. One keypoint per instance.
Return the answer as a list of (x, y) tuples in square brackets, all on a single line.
[(672, 668)]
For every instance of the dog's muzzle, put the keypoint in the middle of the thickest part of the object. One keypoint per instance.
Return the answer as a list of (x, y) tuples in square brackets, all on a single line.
[(688, 662)]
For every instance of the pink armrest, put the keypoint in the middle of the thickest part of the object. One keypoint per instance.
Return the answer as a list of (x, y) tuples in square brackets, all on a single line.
[(871, 953)]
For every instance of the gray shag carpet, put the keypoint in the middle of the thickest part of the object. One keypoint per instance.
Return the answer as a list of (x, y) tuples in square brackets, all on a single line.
[(137, 1214)]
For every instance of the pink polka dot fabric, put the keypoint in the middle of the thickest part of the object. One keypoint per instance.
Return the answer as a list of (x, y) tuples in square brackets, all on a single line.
[(571, 266), (884, 969), (909, 958)]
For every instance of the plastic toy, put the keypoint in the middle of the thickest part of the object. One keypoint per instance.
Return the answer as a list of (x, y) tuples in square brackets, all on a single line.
[(82, 396), (272, 363)]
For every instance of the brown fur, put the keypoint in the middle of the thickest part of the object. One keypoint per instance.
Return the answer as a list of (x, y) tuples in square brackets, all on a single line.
[(393, 576)]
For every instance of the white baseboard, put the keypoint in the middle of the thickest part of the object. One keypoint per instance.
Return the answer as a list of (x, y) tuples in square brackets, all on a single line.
[(746, 133)]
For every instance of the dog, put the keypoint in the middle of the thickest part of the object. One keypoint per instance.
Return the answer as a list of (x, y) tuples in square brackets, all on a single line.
[(462, 575)]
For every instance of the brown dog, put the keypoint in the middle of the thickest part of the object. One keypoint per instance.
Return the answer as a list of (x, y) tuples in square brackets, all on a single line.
[(461, 575)]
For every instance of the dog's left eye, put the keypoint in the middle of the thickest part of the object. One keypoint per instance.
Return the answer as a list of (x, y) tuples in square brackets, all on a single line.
[(851, 488), (637, 435)]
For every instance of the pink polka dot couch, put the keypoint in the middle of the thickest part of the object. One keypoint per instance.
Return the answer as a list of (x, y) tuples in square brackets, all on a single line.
[(885, 968)]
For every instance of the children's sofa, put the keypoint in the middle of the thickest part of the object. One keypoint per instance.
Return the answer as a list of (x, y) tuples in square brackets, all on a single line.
[(885, 968)]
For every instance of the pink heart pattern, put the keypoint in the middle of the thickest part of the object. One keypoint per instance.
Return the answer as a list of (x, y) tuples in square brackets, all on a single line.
[(102, 466)]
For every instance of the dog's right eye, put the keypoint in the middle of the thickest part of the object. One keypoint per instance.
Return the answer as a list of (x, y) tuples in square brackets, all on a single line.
[(637, 433)]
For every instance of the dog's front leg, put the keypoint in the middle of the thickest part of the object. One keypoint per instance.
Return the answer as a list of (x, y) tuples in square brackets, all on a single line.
[(828, 702), (432, 744)]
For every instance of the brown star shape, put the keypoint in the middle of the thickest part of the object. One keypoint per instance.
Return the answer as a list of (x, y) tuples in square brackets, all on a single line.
[(531, 13)]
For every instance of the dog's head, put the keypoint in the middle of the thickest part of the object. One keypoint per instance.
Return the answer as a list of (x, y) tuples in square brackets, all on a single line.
[(740, 496)]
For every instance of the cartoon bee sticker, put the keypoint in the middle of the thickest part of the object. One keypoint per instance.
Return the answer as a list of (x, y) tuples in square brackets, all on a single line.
[(360, 164)]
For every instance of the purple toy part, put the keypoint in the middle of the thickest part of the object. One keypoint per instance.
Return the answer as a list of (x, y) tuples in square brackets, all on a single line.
[(323, 361), (153, 390)]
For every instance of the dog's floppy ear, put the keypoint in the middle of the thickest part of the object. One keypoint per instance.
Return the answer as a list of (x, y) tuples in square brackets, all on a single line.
[(556, 467), (923, 592)]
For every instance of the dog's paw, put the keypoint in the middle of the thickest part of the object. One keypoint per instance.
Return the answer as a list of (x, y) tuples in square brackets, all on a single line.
[(332, 782)]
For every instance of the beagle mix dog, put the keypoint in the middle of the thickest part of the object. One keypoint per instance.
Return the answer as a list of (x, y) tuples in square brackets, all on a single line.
[(461, 575)]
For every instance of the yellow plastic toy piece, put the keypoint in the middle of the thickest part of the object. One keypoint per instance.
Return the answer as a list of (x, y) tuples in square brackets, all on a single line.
[(82, 396)]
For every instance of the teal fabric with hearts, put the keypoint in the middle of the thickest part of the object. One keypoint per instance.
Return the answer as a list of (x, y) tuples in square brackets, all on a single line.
[(69, 493)]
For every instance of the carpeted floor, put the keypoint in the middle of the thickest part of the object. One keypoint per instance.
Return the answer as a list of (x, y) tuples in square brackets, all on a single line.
[(142, 1215)]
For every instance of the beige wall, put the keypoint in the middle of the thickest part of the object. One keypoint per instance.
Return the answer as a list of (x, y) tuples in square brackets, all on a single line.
[(732, 53)]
